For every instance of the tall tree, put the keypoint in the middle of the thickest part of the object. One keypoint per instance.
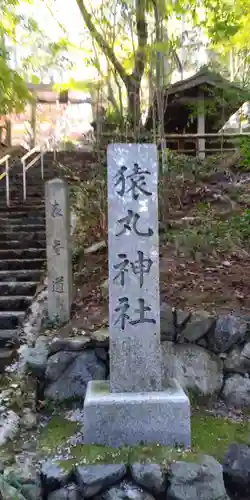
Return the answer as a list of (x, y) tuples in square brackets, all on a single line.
[(132, 80)]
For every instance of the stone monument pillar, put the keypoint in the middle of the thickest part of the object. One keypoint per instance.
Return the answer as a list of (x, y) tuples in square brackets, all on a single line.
[(59, 258), (134, 407)]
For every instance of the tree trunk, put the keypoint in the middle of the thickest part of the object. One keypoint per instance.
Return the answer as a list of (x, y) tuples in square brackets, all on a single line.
[(134, 103), (133, 80)]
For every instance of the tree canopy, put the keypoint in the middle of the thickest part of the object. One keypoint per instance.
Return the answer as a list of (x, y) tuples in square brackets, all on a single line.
[(134, 47), (13, 90)]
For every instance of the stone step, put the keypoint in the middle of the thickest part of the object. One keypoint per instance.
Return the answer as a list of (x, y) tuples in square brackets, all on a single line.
[(36, 174), (23, 214), (21, 206), (25, 227), (20, 275), (6, 358), (15, 302), (22, 264), (17, 187), (11, 319), (34, 186), (30, 202), (33, 178), (23, 209), (9, 338), (28, 236), (17, 182), (18, 287), (12, 244), (30, 184), (16, 196), (17, 192), (23, 219), (17, 202), (22, 253)]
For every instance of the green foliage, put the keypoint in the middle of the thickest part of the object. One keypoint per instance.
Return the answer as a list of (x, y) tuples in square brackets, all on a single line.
[(212, 234), (13, 91), (227, 25), (82, 86), (89, 204), (222, 21), (113, 120), (58, 430), (210, 435), (244, 144), (115, 44)]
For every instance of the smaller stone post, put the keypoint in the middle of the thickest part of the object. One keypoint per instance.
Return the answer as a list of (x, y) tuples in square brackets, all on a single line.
[(59, 250)]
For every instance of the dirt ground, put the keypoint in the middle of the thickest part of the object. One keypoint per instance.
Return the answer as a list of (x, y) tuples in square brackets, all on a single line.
[(214, 284), (216, 278)]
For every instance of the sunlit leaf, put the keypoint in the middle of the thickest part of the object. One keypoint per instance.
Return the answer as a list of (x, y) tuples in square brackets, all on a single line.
[(35, 79)]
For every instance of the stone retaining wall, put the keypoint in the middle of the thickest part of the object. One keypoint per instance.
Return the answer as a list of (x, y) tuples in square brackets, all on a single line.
[(209, 356), (180, 480), (143, 482)]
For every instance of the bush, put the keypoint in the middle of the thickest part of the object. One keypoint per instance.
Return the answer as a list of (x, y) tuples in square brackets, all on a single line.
[(211, 234)]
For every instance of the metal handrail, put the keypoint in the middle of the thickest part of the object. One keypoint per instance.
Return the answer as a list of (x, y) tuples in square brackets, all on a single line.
[(26, 167), (5, 175), (30, 152)]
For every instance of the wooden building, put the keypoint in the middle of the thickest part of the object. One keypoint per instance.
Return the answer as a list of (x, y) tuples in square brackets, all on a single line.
[(200, 104)]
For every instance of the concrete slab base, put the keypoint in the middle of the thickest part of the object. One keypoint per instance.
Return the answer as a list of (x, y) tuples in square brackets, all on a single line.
[(118, 419)]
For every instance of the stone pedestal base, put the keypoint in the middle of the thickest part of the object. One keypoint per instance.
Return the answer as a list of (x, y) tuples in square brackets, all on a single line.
[(118, 419)]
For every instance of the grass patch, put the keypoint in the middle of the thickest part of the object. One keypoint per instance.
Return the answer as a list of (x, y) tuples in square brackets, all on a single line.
[(91, 454), (210, 233), (210, 436)]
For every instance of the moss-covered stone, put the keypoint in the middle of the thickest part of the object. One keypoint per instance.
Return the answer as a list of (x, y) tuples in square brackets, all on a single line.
[(101, 388), (94, 454), (54, 435), (210, 435), (91, 454)]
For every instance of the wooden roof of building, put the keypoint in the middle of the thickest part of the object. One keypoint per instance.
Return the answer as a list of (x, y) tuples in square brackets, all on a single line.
[(204, 77), (180, 99)]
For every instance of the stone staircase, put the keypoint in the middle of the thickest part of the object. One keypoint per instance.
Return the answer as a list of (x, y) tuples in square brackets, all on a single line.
[(22, 252)]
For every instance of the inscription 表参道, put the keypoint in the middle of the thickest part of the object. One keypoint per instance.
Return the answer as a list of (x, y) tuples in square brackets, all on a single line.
[(57, 284), (58, 250), (133, 266)]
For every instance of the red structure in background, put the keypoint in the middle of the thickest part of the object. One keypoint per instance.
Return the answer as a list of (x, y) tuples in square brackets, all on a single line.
[(38, 122)]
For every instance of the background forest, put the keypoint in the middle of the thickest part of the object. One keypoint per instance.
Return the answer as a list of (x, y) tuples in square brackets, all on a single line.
[(119, 52)]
